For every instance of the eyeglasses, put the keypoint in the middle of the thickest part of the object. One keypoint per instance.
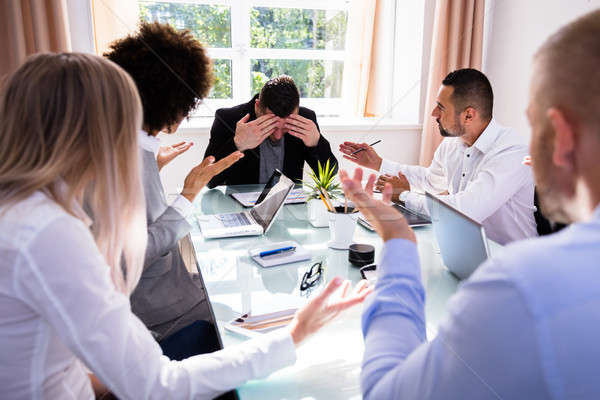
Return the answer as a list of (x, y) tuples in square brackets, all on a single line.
[(312, 276)]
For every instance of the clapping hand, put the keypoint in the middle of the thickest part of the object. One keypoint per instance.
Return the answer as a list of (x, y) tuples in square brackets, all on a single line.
[(387, 221), (200, 175), (166, 154), (399, 184), (323, 308), (367, 157)]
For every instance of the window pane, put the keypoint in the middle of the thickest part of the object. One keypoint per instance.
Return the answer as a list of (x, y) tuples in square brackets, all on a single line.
[(211, 24), (222, 87), (314, 78), (293, 28)]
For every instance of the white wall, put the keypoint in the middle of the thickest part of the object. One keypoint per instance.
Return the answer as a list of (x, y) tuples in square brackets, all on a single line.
[(398, 143), (517, 29)]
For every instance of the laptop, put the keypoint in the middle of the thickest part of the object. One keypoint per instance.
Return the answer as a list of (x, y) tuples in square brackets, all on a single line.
[(255, 222), (250, 199), (413, 218), (216, 342), (461, 239)]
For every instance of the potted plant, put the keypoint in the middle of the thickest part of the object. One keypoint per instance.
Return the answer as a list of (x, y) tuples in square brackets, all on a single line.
[(324, 188)]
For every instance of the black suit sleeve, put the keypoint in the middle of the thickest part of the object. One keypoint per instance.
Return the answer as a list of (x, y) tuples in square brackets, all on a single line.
[(322, 151), (220, 145)]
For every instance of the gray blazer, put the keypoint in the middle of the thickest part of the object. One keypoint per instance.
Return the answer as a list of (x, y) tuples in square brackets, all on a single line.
[(168, 290)]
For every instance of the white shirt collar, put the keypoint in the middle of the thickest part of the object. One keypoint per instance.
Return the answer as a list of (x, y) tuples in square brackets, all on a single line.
[(61, 189), (149, 142), (486, 140)]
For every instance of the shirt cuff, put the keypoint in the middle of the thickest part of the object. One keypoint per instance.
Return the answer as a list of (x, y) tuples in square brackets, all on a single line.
[(283, 349), (399, 256), (403, 196), (183, 206), (389, 167), (416, 202)]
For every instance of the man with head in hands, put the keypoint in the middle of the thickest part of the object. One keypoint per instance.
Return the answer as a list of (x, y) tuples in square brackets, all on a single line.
[(526, 323), (476, 168), (258, 129)]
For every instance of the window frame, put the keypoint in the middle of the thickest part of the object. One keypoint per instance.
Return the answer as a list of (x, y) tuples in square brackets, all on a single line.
[(405, 112)]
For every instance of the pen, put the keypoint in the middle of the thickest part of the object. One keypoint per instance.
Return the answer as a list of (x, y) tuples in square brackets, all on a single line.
[(362, 149), (276, 251)]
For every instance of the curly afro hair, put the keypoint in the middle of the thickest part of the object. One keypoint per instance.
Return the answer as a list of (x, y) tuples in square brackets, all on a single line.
[(170, 68)]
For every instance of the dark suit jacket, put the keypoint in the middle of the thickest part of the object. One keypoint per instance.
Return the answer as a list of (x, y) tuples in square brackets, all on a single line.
[(246, 170)]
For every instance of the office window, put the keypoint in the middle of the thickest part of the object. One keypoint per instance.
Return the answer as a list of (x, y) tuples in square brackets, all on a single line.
[(253, 41)]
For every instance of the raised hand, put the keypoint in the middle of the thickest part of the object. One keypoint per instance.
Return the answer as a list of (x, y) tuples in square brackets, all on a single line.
[(302, 128), (201, 174), (166, 154), (399, 184), (367, 157), (387, 221), (249, 135), (323, 308)]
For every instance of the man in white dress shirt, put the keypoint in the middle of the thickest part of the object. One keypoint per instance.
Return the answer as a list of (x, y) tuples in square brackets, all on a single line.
[(526, 324), (477, 167)]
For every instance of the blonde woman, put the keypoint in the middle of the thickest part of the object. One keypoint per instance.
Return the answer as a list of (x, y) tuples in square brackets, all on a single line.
[(70, 125)]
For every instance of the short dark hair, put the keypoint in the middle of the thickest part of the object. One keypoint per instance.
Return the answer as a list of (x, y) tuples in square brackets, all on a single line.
[(471, 89), (280, 95), (170, 68)]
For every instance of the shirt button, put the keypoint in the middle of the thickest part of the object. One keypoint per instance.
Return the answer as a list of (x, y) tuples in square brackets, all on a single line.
[(463, 174)]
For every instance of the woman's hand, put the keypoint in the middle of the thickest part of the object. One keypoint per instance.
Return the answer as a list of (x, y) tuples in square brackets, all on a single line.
[(166, 154), (322, 309)]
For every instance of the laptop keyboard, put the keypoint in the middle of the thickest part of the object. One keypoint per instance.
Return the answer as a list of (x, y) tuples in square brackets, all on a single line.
[(234, 220)]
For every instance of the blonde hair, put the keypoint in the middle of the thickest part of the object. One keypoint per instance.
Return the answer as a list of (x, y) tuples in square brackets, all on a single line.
[(72, 119)]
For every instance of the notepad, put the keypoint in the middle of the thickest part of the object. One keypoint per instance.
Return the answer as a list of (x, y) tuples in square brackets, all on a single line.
[(300, 254), (255, 325), (248, 199)]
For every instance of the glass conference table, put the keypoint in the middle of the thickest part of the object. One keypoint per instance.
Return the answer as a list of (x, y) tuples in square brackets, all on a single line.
[(328, 364)]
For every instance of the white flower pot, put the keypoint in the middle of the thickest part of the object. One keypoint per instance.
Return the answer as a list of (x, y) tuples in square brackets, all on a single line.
[(317, 213)]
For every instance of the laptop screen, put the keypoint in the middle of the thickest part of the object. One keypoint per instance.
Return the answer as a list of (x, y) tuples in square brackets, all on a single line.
[(461, 239), (265, 212)]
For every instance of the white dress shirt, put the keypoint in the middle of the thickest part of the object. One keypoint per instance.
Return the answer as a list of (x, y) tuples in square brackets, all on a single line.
[(486, 181), (152, 143), (59, 310), (524, 326)]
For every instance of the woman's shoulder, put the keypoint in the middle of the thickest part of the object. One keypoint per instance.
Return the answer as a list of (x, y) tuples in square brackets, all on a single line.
[(22, 221)]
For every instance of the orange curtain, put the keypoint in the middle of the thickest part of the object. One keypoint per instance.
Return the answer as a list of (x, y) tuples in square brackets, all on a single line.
[(457, 43), (113, 19), (359, 81), (31, 26)]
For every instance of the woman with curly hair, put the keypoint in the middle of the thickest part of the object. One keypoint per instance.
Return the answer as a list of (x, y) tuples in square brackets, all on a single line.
[(70, 126), (172, 73)]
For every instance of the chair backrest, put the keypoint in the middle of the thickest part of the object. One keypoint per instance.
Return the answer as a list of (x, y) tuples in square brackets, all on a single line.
[(544, 225)]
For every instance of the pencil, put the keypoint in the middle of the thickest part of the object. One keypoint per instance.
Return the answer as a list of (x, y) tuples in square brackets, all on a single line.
[(329, 201), (324, 201), (362, 149)]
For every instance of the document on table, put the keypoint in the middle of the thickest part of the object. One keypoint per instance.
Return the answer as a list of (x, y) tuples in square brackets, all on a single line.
[(248, 199)]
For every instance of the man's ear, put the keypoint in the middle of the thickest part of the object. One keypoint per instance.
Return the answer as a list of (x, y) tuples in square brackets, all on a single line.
[(564, 139), (469, 115)]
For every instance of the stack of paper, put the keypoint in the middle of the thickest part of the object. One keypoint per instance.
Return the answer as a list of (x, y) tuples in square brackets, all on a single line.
[(254, 325)]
